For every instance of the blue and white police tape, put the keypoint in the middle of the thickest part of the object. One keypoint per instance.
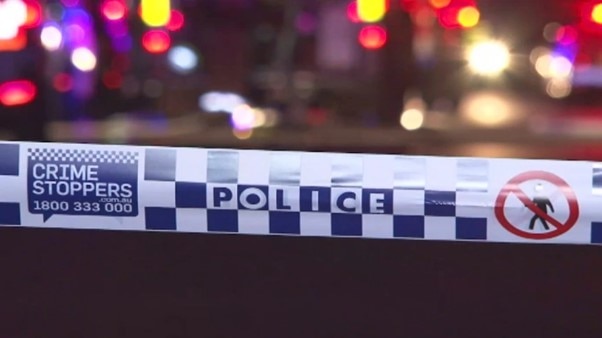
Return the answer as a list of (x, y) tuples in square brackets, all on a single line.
[(299, 193)]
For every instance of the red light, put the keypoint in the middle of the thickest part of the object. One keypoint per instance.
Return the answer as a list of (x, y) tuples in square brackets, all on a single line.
[(566, 35), (62, 82), (591, 16), (34, 14), (16, 93), (448, 17), (176, 20), (352, 12), (438, 4), (410, 5), (112, 79), (372, 37), (114, 10), (156, 41)]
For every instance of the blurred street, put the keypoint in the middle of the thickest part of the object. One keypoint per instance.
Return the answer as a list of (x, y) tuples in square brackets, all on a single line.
[(523, 127), (446, 77), (474, 78)]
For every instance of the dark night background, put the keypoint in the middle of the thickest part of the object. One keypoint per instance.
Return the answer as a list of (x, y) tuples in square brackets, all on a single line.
[(59, 283), (277, 56)]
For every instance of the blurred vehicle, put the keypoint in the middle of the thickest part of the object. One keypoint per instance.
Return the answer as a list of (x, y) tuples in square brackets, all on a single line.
[(21, 108), (22, 111), (462, 52), (572, 68)]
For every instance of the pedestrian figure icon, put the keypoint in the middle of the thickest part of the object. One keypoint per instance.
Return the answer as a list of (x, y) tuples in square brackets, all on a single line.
[(536, 190), (542, 202)]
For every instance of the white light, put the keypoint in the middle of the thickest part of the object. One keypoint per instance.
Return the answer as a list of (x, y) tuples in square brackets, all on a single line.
[(411, 119), (558, 88), (489, 58), (560, 66), (488, 109), (13, 14), (182, 59), (543, 65), (553, 66), (51, 37), (220, 102), (538, 52), (243, 117), (83, 59)]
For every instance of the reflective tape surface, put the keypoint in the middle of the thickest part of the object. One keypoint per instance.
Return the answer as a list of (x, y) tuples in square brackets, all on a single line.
[(299, 193)]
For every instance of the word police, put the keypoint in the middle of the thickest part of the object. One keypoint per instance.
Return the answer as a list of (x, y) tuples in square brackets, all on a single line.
[(316, 199), (74, 179)]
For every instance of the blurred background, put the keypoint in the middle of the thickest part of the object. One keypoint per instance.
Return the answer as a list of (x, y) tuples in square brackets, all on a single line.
[(511, 78)]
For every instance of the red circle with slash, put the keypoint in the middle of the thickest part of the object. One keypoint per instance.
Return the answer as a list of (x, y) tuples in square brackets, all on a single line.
[(513, 188)]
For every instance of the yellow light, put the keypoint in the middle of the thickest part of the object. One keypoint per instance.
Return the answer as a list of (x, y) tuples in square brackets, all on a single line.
[(597, 14), (155, 13), (242, 134), (489, 109), (411, 119), (439, 3), (371, 10), (468, 17)]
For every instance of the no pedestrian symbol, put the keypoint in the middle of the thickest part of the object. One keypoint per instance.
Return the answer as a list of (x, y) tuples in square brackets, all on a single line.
[(541, 217)]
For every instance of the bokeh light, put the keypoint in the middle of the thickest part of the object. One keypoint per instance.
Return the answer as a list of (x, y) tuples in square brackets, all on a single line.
[(553, 66), (182, 59), (220, 102), (13, 14), (489, 58), (62, 82), (83, 59), (558, 88), (468, 16), (371, 10), (34, 14), (411, 119), (155, 13), (439, 3), (16, 93), (566, 35), (51, 37), (17, 43), (489, 109), (113, 10), (176, 20), (156, 41), (352, 12), (372, 37), (242, 134), (550, 31), (243, 117), (597, 13)]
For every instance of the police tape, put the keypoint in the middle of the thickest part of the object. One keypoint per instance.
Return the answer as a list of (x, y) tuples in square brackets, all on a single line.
[(299, 193)]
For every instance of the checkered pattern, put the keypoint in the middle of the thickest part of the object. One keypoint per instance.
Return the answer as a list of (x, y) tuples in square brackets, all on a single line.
[(309, 194), (82, 155), (596, 226), (10, 185), (314, 194)]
